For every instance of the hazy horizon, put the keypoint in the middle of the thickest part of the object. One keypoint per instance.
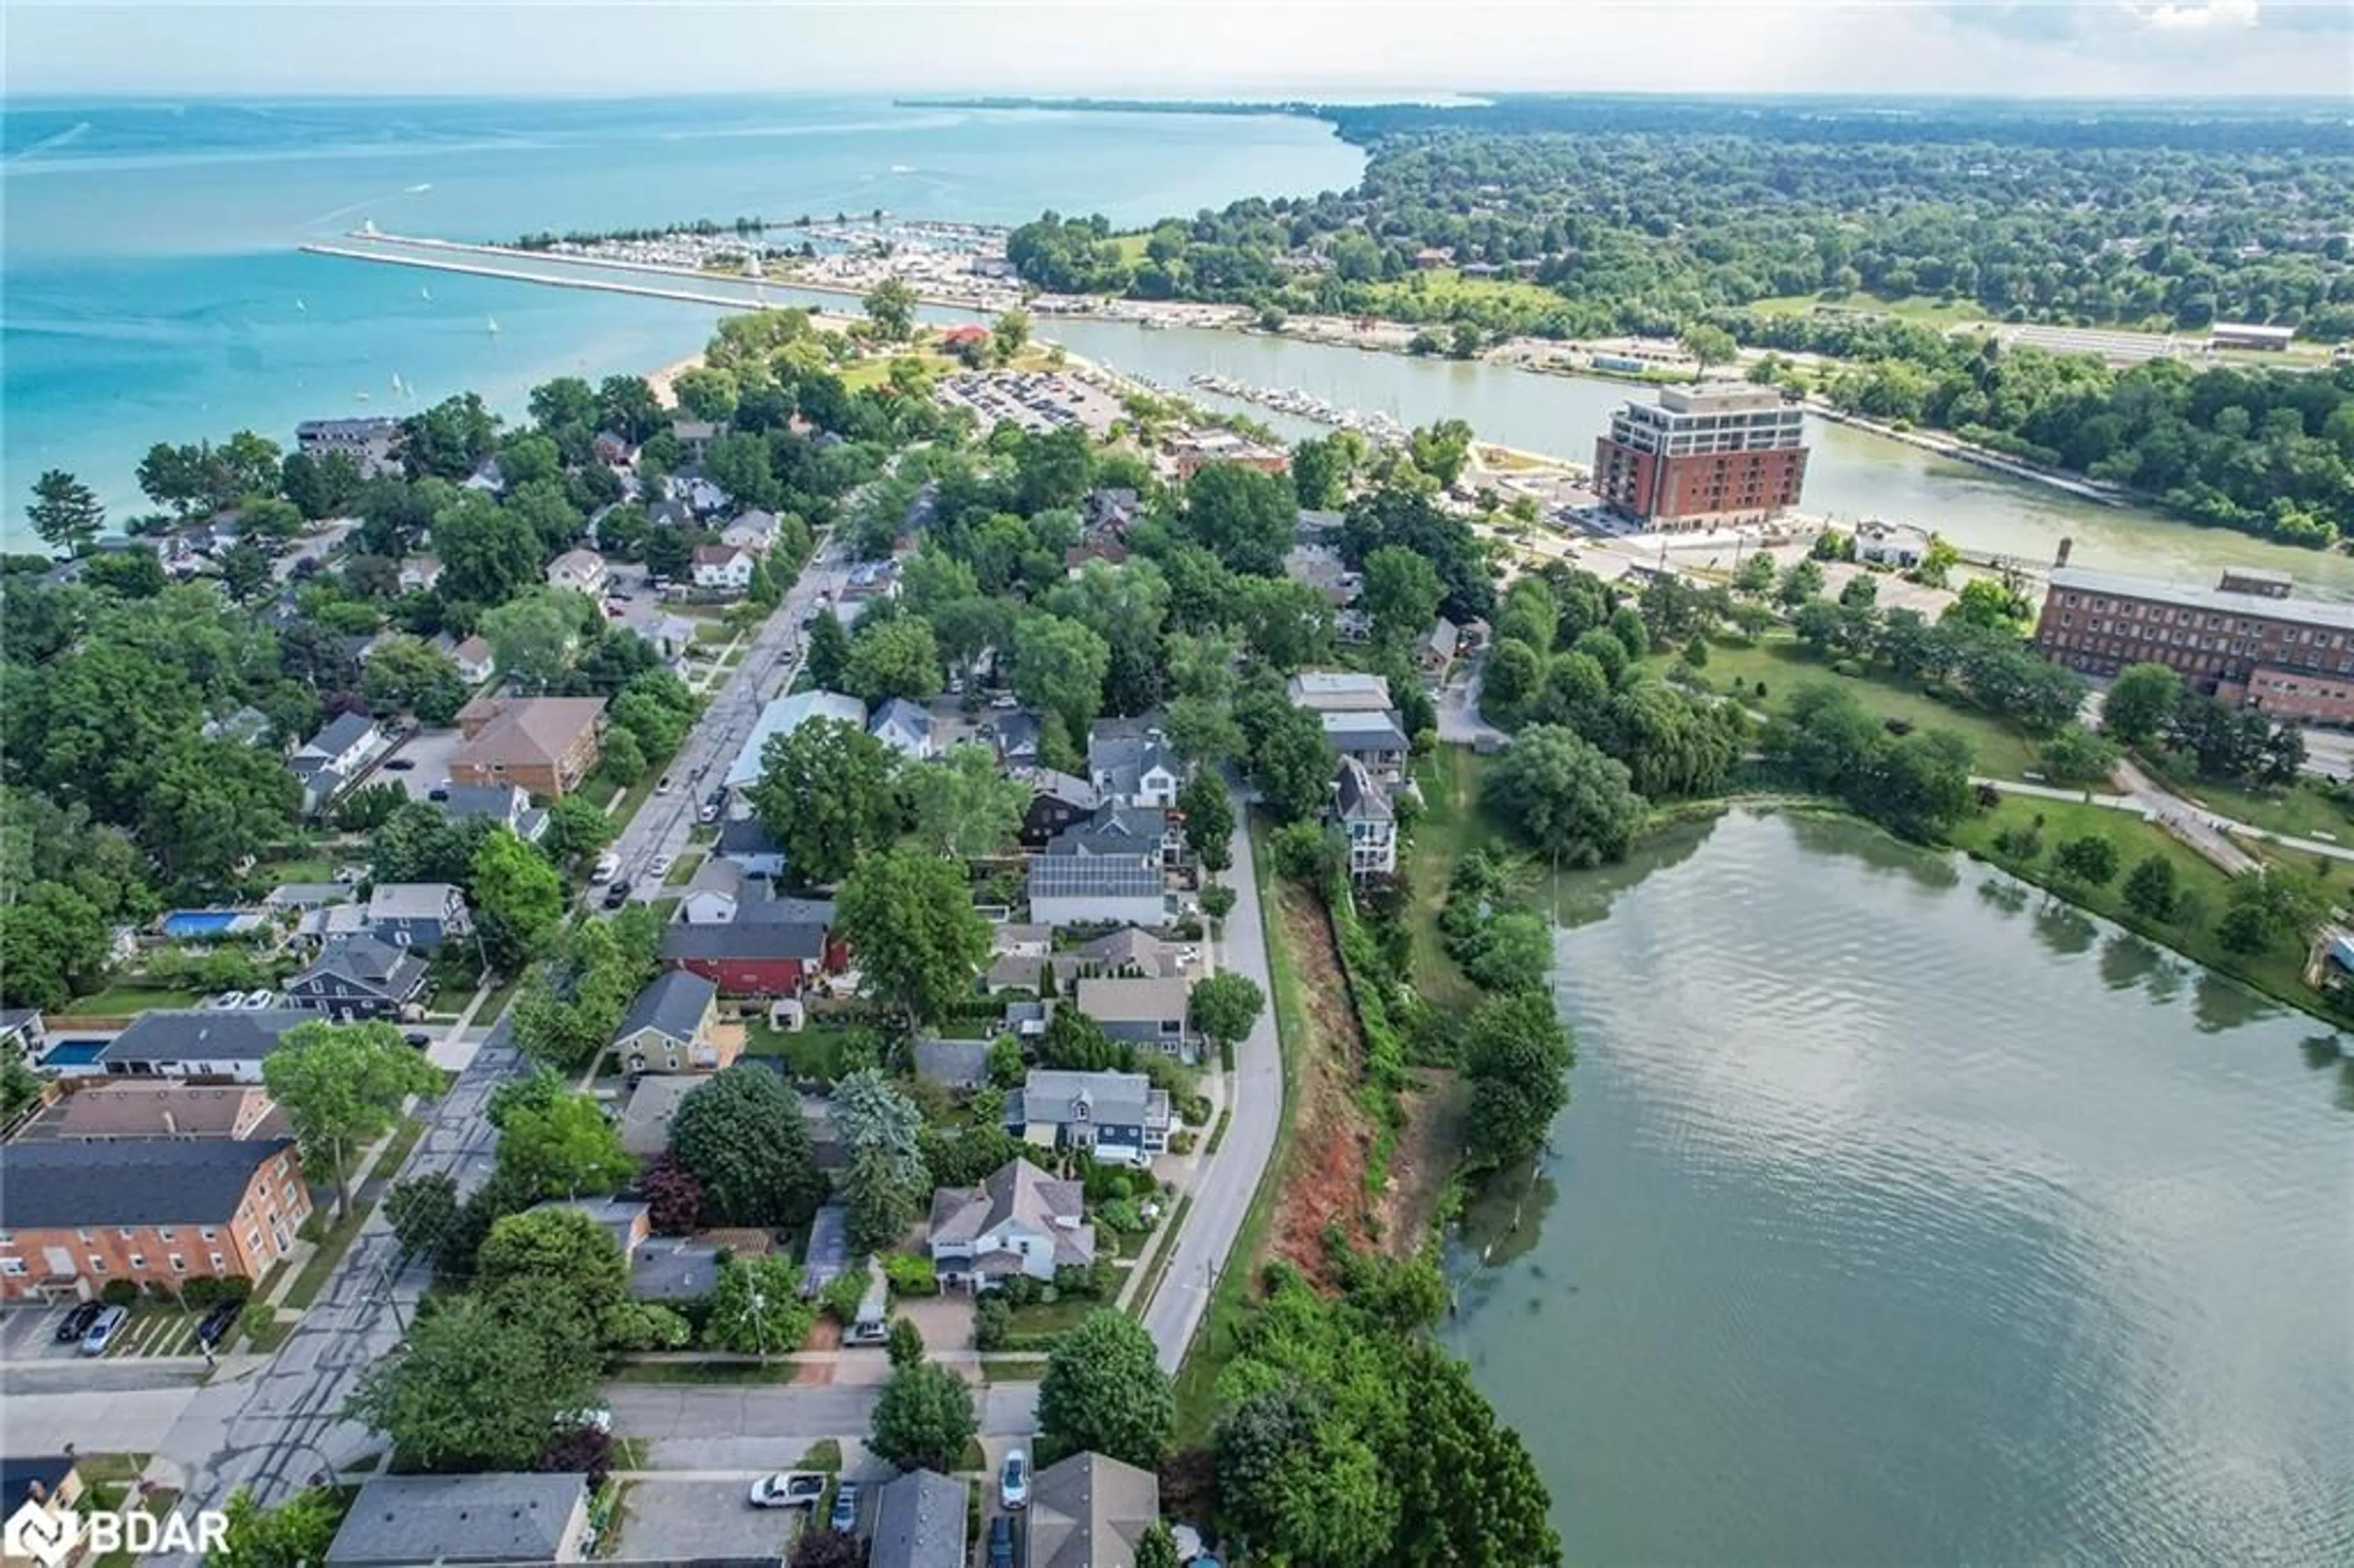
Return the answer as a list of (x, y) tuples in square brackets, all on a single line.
[(1212, 48)]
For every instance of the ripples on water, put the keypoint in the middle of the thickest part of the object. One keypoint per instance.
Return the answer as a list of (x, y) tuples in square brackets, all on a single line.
[(1895, 1223)]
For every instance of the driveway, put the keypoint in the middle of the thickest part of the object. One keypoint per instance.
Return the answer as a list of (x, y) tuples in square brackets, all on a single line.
[(702, 1521), (1458, 705), (429, 751), (945, 1320), (770, 1428)]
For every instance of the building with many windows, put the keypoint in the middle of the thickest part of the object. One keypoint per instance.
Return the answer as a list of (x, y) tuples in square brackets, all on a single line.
[(2248, 641), (1703, 457), (76, 1216)]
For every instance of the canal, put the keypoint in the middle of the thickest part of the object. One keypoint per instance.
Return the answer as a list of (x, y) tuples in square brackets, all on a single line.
[(1900, 1216)]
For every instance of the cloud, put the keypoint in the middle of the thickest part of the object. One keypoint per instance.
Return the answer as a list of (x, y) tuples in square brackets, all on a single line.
[(2205, 15)]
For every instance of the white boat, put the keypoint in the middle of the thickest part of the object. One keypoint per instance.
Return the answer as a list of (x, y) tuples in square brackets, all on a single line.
[(425, 294), (361, 396), (491, 326), (301, 306)]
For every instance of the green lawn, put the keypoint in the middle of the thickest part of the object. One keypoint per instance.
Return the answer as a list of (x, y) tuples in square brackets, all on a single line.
[(1215, 1342), (683, 869), (823, 1455), (1443, 286), (1999, 750), (302, 868), (122, 1000), (2278, 973), (2303, 811), (814, 1052), (1451, 821), (1922, 308), (1042, 1321), (736, 1374), (1014, 1370)]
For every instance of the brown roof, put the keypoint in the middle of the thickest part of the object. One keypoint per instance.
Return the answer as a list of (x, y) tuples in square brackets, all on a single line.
[(715, 555), (527, 731), (166, 1110), (742, 1242)]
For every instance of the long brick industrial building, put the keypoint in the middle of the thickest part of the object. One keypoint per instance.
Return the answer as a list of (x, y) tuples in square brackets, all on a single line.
[(1703, 457), (2247, 640)]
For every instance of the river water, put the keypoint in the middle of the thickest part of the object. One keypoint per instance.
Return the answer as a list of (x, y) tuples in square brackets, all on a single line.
[(1901, 1218)]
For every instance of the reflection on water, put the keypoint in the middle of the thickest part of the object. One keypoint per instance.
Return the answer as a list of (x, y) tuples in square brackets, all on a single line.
[(1886, 1225)]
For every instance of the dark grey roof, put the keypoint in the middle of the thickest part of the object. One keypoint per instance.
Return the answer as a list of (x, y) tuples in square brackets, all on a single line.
[(672, 1005), (462, 1519), (1121, 751), (745, 835), (745, 939), (342, 733), (918, 1522), (396, 972), (1053, 1095), (1017, 734), (828, 1256), (1055, 875), (1114, 830), (958, 1063), (194, 1035), (1090, 1509), (1358, 795), (771, 908), (500, 802), (147, 1181)]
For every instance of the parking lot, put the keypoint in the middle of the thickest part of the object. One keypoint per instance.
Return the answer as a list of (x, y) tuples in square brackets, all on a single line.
[(1036, 401), (156, 1329), (428, 752), (690, 1520)]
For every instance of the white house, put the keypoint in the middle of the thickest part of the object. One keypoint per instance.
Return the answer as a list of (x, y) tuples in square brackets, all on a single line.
[(754, 531), (474, 660), (726, 568), (905, 727), (784, 717), (419, 574), (1018, 1220), (1098, 890), (1361, 804), (1131, 763), (1894, 545), (200, 1044), (582, 572)]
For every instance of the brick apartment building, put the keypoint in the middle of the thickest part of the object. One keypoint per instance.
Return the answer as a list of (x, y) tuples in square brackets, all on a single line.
[(75, 1216), (1703, 457), (2247, 640), (544, 746)]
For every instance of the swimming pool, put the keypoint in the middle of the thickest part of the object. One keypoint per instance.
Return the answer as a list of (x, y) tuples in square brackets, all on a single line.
[(202, 922), (72, 1053)]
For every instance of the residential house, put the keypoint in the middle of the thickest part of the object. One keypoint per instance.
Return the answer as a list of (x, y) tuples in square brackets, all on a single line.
[(23, 1033), (664, 512), (745, 844), (1110, 513), (1098, 890), (1015, 736), (919, 1522), (707, 906), (905, 727), (674, 1268), (397, 1521), (421, 915), (869, 580), (1148, 1012), (361, 976), (674, 1027), (1018, 1220), (628, 1221), (1193, 452), (1319, 566), (1017, 956), (953, 1063), (695, 436), (369, 443), (645, 1121), (1373, 739), (199, 1043), (76, 1216), (1089, 1511), (488, 477), (1057, 802), (1338, 692), (1127, 951), (1437, 648), (419, 574), (1119, 1116), (699, 495), (334, 757), (1361, 805), (754, 958), (1076, 559), (1131, 763), (546, 745), (1310, 525), (784, 716), (582, 572), (107, 1110), (672, 636), (722, 568), (502, 805), (475, 661), (302, 897), (827, 1258), (1124, 830), (754, 531), (613, 448)]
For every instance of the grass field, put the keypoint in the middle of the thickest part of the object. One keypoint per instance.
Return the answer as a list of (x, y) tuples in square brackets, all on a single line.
[(2301, 811), (122, 1000), (1922, 308), (877, 372), (814, 1052), (1450, 823), (1997, 750)]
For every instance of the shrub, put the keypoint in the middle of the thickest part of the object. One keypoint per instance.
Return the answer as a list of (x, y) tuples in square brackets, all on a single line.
[(842, 1297), (259, 1317), (1181, 1140), (1121, 1214), (909, 1274), (1018, 1290), (118, 1292), (992, 1320)]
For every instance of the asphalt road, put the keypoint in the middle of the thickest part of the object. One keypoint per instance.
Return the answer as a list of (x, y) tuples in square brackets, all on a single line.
[(772, 659), (271, 1428), (1230, 1177), (704, 1428)]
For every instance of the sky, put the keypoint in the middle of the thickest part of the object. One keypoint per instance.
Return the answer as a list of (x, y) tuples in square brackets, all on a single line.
[(1182, 47)]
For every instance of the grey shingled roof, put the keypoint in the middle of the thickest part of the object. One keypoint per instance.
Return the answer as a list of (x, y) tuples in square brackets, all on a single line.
[(511, 1518), (395, 972), (672, 1005), (160, 1182), (918, 1522), (1018, 1191), (1358, 795), (193, 1036), (1088, 1510), (745, 939), (1123, 1098), (1364, 732), (341, 734)]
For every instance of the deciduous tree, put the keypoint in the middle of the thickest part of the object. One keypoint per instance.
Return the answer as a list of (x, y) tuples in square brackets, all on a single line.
[(1517, 1055), (1565, 797), (473, 1388), (923, 1418), (342, 1086), (65, 511), (909, 918), (1104, 1393), (825, 795), (757, 1308), (742, 1135), (962, 807)]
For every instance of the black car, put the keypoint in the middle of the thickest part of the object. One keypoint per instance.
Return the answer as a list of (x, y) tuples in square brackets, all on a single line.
[(399, 764), (419, 1040), (618, 895), (77, 1322), (1000, 1543), (217, 1323)]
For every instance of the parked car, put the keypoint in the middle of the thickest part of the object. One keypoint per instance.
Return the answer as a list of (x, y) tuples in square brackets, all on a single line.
[(609, 865), (1013, 1481), (77, 1321), (225, 1001), (399, 764), (663, 788), (1004, 700), (1000, 1543), (660, 865), (845, 1507), (102, 1330), (710, 813), (788, 1489), (618, 895), (418, 1039), (218, 1321), (257, 1000)]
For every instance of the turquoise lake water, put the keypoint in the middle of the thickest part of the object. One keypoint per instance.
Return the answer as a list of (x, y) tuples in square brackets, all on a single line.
[(150, 288)]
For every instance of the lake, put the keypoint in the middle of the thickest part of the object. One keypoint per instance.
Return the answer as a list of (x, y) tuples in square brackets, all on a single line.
[(1900, 1216)]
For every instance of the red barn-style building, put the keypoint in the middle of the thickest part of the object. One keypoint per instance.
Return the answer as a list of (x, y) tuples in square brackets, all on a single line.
[(749, 959)]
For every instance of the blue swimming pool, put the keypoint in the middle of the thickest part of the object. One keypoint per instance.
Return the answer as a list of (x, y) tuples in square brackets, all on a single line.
[(72, 1053), (200, 922)]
